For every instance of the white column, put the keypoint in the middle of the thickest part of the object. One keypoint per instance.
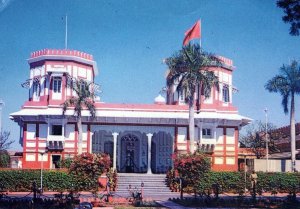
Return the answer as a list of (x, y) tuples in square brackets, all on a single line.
[(149, 153), (115, 135)]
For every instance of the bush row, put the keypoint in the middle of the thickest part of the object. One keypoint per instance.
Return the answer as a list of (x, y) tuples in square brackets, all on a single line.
[(235, 182), (22, 180)]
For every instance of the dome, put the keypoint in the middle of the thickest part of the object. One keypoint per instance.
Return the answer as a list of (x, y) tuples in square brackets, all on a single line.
[(159, 100)]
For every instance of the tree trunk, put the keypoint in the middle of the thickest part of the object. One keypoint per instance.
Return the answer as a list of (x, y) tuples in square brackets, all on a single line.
[(79, 126), (192, 124), (293, 132)]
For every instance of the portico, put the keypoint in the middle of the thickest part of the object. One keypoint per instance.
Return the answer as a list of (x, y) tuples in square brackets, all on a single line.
[(133, 151)]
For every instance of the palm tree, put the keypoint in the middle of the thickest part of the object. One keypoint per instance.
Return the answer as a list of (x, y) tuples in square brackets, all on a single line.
[(84, 99), (189, 69), (287, 83)]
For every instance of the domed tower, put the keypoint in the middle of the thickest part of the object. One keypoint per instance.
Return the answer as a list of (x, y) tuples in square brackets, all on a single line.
[(45, 134), (221, 96), (51, 70)]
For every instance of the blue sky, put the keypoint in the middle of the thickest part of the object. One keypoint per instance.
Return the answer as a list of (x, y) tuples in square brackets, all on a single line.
[(130, 38)]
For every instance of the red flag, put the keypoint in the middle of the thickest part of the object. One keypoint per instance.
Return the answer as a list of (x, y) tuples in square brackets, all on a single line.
[(193, 32)]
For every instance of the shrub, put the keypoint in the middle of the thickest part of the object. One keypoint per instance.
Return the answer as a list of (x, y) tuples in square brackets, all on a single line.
[(235, 182), (112, 178), (21, 180), (87, 167), (82, 175), (65, 163), (192, 168)]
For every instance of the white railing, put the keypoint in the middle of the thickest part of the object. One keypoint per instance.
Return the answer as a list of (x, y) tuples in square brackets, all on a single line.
[(208, 141), (55, 138)]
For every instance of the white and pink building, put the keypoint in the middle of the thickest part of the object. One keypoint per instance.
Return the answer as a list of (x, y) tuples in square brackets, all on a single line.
[(140, 138)]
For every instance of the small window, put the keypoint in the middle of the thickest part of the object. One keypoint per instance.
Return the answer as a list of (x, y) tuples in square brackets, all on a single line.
[(206, 133), (82, 86), (36, 89), (57, 84), (181, 95), (225, 93), (57, 130)]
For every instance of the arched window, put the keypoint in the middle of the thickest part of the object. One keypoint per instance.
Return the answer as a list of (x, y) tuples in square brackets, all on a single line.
[(57, 84), (36, 90), (225, 92)]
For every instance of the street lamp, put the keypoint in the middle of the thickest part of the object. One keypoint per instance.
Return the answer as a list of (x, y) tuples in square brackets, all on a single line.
[(1, 106), (42, 165), (245, 173), (266, 136), (142, 189)]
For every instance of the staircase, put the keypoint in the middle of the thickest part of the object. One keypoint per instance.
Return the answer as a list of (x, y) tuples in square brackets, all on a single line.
[(154, 186)]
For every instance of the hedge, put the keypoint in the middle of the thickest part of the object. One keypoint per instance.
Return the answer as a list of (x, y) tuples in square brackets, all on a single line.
[(235, 182), (21, 180)]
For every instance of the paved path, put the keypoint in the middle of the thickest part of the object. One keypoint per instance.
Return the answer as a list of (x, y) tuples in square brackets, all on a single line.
[(172, 205)]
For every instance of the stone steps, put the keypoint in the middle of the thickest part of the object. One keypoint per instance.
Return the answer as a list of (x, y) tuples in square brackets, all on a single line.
[(154, 185)]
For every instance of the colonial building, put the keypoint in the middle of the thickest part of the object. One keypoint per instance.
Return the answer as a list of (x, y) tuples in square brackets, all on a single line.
[(140, 138)]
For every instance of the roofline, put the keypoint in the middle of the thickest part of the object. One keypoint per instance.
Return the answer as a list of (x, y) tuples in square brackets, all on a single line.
[(65, 58)]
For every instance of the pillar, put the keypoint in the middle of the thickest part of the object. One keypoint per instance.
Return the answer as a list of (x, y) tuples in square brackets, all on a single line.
[(149, 153), (115, 136)]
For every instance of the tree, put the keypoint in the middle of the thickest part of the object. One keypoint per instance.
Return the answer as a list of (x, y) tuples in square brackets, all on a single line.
[(192, 169), (287, 83), (4, 159), (189, 69), (84, 99), (255, 138), (5, 142), (88, 167), (291, 9)]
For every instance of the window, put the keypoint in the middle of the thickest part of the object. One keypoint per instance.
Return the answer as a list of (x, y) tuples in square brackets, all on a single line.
[(82, 86), (57, 84), (225, 92), (36, 90), (206, 133), (57, 130)]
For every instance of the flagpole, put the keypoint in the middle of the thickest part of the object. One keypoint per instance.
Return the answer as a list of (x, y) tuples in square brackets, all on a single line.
[(199, 85), (66, 33), (200, 40)]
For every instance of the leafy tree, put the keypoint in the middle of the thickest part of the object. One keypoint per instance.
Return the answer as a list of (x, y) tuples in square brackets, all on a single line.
[(291, 9), (189, 69), (84, 99), (255, 138), (88, 167), (192, 169), (65, 163), (4, 159), (287, 83), (5, 142)]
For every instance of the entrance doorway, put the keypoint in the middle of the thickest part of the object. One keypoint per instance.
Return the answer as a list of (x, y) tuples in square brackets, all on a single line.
[(55, 159), (129, 161), (131, 155)]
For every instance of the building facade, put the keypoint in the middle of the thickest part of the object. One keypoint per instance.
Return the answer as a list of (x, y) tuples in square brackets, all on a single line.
[(140, 138)]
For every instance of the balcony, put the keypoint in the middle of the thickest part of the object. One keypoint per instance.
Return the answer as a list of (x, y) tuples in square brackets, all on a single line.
[(55, 143), (55, 146), (206, 148)]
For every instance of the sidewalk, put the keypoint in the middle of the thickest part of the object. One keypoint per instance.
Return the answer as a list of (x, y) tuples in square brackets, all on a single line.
[(171, 205)]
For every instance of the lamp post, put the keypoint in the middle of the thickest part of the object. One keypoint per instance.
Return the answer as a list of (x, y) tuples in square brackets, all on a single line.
[(142, 190), (245, 173), (266, 138), (42, 165), (1, 106)]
